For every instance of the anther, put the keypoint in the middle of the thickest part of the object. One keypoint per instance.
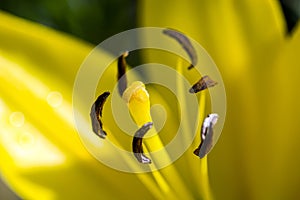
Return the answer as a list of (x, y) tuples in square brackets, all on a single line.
[(206, 135), (204, 83), (96, 115), (185, 43), (137, 143)]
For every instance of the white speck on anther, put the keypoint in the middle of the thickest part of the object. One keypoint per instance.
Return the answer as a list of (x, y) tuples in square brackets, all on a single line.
[(211, 118)]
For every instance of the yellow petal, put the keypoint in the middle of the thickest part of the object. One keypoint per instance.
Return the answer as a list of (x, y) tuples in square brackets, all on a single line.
[(234, 33), (41, 154), (256, 156)]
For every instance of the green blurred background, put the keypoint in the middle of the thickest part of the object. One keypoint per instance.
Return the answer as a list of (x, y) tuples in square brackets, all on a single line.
[(90, 20), (94, 21)]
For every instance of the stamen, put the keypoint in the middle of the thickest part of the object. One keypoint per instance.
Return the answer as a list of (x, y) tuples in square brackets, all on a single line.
[(137, 147), (96, 115), (206, 135), (204, 83), (137, 99), (122, 82), (185, 43)]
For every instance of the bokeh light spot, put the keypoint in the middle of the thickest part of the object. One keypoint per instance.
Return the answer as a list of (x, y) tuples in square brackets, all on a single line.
[(17, 119), (54, 99)]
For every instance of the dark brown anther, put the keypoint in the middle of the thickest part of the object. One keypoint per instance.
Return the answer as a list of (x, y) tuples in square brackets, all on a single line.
[(137, 146), (96, 115), (185, 43), (206, 135), (122, 80), (204, 83)]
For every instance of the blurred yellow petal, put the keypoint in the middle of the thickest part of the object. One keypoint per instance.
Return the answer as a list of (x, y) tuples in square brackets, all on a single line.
[(277, 121), (41, 154), (256, 157), (232, 32)]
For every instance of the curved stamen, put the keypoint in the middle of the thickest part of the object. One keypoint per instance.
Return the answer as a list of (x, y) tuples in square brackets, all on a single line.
[(204, 83), (206, 135), (137, 141), (185, 43), (122, 82), (96, 115)]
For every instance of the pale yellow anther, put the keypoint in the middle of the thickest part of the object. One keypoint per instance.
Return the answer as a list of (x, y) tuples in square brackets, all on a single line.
[(137, 99)]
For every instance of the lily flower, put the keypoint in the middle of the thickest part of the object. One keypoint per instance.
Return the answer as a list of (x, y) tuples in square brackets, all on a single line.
[(257, 156), (169, 143), (42, 155)]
